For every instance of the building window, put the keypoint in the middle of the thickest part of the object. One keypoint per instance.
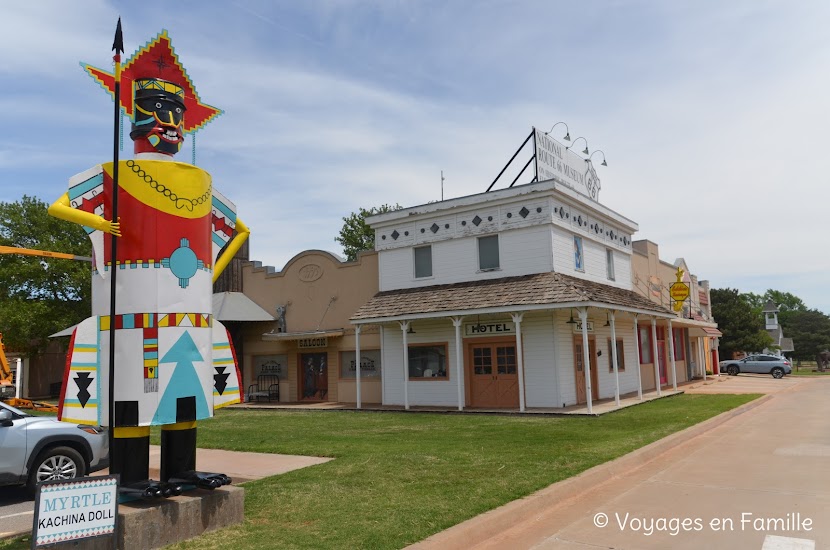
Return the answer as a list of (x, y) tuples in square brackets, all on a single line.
[(679, 348), (423, 261), (579, 261), (428, 361), (488, 253), (609, 264), (620, 356), (369, 364), (645, 345)]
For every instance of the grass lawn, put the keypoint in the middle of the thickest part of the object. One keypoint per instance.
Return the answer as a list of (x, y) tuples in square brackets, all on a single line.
[(807, 368), (399, 477)]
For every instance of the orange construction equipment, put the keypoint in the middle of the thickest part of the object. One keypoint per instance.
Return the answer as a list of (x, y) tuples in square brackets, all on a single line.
[(7, 388)]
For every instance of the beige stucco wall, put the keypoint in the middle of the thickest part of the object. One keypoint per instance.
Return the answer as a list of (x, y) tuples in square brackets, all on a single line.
[(321, 293)]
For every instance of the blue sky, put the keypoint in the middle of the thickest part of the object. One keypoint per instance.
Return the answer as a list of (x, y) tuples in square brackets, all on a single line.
[(712, 115)]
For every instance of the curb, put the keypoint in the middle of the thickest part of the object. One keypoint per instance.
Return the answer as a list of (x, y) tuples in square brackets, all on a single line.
[(489, 524)]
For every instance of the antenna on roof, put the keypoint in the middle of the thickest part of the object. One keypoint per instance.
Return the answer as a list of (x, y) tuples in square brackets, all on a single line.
[(442, 185)]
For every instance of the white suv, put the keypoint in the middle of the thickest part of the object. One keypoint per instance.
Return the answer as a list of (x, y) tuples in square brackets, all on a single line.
[(39, 448)]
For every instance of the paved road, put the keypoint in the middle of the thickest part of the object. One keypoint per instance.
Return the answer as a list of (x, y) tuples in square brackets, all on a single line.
[(760, 480), (15, 510)]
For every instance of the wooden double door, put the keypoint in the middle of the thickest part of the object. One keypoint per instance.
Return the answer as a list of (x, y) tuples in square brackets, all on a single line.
[(579, 369), (494, 375)]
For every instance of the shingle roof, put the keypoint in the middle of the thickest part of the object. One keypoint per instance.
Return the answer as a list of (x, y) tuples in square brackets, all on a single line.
[(524, 290)]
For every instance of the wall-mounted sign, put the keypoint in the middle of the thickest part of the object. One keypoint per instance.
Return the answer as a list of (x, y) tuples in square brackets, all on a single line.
[(578, 327), (271, 364), (307, 343), (554, 161), (496, 328), (369, 364), (310, 272), (75, 509)]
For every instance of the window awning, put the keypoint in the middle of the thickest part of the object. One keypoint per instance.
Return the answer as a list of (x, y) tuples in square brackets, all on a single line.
[(290, 336), (235, 306), (712, 332)]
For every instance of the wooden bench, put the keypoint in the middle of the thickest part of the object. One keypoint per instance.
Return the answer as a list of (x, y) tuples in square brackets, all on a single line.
[(267, 387)]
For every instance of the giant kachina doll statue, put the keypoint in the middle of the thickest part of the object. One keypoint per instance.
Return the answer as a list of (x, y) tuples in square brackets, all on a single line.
[(172, 362)]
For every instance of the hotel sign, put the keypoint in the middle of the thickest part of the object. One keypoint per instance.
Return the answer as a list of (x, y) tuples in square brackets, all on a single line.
[(578, 327), (489, 329), (554, 161)]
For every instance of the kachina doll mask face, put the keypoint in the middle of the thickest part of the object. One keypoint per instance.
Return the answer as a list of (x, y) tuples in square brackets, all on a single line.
[(158, 96), (158, 122)]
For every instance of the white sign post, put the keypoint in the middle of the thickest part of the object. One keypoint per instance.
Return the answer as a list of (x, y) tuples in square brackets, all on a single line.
[(75, 509)]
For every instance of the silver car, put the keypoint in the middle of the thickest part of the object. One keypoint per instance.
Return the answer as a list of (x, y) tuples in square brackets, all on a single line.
[(40, 448), (759, 364)]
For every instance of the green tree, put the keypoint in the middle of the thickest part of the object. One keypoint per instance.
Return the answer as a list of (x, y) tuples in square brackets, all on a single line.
[(810, 331), (355, 235), (40, 296), (784, 300), (743, 330)]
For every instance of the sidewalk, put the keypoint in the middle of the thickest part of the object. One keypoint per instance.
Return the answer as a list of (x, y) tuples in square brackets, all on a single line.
[(239, 466), (766, 461)]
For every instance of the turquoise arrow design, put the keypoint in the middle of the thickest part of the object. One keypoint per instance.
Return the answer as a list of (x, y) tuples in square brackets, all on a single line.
[(184, 382)]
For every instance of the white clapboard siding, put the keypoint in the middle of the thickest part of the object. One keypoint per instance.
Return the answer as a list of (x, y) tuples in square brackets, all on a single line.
[(521, 251), (594, 259), (541, 388)]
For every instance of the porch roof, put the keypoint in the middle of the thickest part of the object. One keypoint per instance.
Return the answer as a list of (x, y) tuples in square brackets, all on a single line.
[(526, 292)]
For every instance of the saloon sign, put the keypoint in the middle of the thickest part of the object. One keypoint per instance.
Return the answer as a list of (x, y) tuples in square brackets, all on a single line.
[(553, 160)]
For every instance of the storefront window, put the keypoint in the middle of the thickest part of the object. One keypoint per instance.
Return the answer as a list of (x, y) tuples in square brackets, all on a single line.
[(271, 364), (645, 345), (369, 364), (428, 361), (679, 348), (620, 356)]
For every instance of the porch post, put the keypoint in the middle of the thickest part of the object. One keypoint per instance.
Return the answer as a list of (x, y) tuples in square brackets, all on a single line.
[(357, 361), (404, 328), (586, 358), (18, 379), (637, 345), (614, 358), (517, 319), (702, 352), (655, 357), (459, 355), (671, 354)]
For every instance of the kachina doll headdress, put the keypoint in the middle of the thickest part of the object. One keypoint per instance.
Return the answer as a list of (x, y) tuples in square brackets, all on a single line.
[(158, 97)]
